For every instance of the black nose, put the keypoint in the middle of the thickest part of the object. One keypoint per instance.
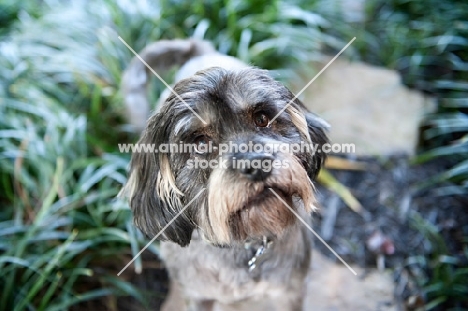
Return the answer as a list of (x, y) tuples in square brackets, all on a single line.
[(254, 166)]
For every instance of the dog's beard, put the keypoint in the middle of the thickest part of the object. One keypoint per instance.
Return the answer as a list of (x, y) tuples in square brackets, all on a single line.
[(238, 209)]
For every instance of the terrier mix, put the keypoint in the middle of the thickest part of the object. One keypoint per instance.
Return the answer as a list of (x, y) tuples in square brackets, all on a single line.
[(233, 239)]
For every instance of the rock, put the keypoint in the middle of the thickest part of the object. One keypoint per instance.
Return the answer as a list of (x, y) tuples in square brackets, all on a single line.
[(367, 106), (332, 287)]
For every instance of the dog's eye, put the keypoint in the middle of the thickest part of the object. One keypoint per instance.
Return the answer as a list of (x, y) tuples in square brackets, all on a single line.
[(261, 119), (201, 144)]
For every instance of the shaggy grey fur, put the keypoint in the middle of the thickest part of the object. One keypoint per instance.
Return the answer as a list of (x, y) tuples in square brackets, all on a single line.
[(207, 248)]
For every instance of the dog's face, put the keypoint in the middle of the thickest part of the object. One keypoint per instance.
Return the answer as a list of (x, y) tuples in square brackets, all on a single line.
[(239, 200)]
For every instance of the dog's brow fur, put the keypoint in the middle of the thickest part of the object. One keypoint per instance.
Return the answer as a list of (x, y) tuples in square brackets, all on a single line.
[(183, 124)]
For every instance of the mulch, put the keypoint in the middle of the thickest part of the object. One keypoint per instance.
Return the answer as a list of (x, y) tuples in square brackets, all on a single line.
[(388, 191)]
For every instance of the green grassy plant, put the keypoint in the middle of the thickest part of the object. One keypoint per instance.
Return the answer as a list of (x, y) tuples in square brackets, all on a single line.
[(442, 275), (63, 235)]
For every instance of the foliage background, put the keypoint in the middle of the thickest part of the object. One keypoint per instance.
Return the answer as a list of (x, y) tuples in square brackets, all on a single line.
[(63, 235)]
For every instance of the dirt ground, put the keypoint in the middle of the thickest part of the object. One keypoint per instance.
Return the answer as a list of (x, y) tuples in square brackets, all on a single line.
[(388, 191)]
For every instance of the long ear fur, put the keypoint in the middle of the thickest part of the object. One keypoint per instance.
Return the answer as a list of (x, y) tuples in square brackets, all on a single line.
[(154, 197), (160, 56)]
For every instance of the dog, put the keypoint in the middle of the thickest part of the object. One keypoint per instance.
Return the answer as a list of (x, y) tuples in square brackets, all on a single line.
[(233, 238)]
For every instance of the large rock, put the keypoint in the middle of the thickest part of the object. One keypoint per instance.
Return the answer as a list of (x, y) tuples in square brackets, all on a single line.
[(332, 287), (367, 106)]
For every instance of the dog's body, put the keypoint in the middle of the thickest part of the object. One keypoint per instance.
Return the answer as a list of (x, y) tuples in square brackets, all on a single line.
[(238, 246), (208, 277)]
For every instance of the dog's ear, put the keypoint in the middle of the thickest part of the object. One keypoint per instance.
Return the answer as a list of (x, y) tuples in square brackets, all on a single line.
[(312, 129), (317, 127), (154, 197)]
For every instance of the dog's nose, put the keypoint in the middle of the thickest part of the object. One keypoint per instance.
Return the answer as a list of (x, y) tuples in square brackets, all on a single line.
[(255, 166)]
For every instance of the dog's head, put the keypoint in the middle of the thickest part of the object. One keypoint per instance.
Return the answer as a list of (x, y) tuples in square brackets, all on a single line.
[(247, 166)]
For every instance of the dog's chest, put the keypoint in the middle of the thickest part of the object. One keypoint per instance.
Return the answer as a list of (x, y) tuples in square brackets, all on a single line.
[(231, 274)]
